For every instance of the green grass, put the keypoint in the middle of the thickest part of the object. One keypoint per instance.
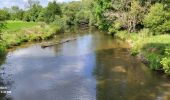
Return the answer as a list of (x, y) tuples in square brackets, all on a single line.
[(156, 49), (17, 25), (19, 32)]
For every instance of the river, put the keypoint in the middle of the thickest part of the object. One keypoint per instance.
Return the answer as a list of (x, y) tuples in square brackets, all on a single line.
[(93, 67)]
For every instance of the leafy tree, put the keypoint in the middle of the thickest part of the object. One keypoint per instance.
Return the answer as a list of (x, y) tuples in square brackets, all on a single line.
[(85, 15), (2, 19), (70, 10), (33, 11), (41, 16), (52, 10), (158, 19), (31, 3), (101, 6), (16, 13)]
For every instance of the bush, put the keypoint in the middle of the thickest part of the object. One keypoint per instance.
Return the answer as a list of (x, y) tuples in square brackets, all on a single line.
[(112, 31), (114, 28), (166, 60), (166, 64), (157, 20), (83, 16), (122, 34), (165, 27), (2, 50), (154, 61), (134, 51), (144, 33)]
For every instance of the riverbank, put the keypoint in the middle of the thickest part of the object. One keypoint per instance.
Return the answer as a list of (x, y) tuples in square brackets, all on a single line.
[(18, 32), (152, 50)]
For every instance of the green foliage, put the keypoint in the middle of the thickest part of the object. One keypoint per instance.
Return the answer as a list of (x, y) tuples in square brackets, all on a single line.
[(112, 31), (83, 16), (2, 50), (134, 51), (157, 20), (167, 50), (100, 6), (18, 25), (52, 10), (19, 35), (144, 33), (16, 13), (166, 64), (2, 19), (70, 11), (166, 60), (122, 34), (154, 61), (114, 28), (34, 13)]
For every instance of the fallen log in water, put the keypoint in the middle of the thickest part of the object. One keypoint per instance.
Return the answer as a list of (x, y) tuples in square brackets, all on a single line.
[(56, 43)]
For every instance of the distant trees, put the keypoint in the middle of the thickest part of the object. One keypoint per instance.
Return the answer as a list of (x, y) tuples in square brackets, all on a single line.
[(112, 15), (33, 13), (16, 13), (100, 7), (52, 10), (132, 15), (71, 13), (3, 17), (70, 10)]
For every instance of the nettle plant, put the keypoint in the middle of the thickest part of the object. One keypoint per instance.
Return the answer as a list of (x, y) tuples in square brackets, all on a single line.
[(166, 60)]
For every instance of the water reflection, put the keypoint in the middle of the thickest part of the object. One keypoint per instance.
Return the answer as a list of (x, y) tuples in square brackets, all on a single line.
[(5, 84), (122, 77), (93, 67), (47, 74)]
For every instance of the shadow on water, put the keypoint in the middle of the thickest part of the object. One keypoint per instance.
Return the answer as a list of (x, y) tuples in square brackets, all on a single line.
[(122, 77)]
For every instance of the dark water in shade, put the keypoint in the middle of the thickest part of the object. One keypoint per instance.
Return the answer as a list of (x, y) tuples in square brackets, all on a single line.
[(93, 67)]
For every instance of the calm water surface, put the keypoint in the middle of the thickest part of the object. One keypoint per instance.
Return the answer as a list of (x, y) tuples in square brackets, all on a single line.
[(93, 67)]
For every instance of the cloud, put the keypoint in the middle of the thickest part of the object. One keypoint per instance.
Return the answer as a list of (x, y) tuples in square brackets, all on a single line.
[(21, 3)]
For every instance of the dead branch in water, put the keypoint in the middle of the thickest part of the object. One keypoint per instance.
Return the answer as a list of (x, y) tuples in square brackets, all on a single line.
[(57, 43)]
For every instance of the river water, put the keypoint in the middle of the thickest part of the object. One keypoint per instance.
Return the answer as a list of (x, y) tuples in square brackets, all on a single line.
[(93, 67)]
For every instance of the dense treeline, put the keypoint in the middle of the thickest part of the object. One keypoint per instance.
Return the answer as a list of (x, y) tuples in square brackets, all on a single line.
[(145, 22), (130, 15), (133, 15), (71, 13)]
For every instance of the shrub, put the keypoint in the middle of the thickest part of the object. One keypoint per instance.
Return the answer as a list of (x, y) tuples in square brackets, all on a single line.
[(154, 61), (144, 33), (134, 51), (166, 64), (112, 31), (157, 20), (83, 16), (166, 60), (122, 34), (165, 27), (114, 28), (2, 49)]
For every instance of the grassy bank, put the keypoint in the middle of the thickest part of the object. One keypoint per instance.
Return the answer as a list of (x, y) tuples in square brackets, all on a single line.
[(154, 49), (18, 32), (18, 25)]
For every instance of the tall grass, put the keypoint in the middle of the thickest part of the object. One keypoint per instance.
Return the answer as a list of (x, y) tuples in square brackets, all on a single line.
[(17, 25), (152, 47), (14, 35)]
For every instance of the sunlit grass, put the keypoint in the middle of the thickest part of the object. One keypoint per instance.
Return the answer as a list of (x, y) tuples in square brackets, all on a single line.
[(17, 25), (152, 47)]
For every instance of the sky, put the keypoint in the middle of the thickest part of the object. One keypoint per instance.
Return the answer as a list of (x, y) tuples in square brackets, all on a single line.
[(22, 3)]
